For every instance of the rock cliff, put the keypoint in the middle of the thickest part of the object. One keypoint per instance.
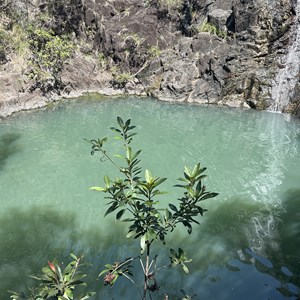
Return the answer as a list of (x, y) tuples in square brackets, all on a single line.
[(224, 52)]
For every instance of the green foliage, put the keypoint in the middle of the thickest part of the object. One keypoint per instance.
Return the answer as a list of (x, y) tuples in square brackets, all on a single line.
[(120, 79), (56, 284), (135, 38), (13, 44), (166, 5), (117, 269), (212, 29), (170, 4), (179, 259), (153, 51), (2, 46), (48, 54), (13, 11), (19, 40), (135, 200), (102, 61)]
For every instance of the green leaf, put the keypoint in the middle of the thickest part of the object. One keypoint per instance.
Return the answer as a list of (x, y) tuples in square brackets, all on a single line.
[(157, 192), (128, 153), (87, 296), (187, 176), (98, 188), (118, 138), (180, 185), (73, 256), (150, 235), (202, 170), (127, 123), (130, 234), (198, 187), (107, 181), (168, 214), (188, 225), (131, 135), (69, 293), (173, 207), (114, 280), (208, 196), (185, 268), (143, 243), (103, 272), (196, 169), (148, 176), (159, 181), (128, 220), (77, 279), (182, 179), (120, 121), (115, 129), (190, 191), (108, 266), (136, 154), (187, 171), (180, 252), (59, 271), (120, 214), (111, 209), (201, 177)]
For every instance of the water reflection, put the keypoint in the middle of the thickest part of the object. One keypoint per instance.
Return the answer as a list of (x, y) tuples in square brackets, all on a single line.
[(29, 238), (282, 262), (227, 262), (32, 236), (286, 283), (232, 225), (8, 147)]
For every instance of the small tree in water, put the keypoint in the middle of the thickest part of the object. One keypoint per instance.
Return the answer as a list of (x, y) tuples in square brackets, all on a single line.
[(134, 199)]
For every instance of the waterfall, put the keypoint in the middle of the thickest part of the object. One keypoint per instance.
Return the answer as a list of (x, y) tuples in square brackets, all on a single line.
[(265, 185), (287, 77)]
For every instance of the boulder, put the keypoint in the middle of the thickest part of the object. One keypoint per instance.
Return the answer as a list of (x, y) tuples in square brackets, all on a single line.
[(221, 19)]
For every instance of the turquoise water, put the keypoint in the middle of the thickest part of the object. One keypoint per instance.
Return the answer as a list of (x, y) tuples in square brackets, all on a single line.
[(247, 246)]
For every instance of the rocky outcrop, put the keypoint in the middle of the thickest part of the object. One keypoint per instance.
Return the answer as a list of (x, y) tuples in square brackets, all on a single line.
[(214, 52)]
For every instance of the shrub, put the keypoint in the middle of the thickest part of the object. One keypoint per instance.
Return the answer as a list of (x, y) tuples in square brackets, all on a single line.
[(48, 54), (57, 284), (2, 46), (135, 200), (212, 29), (153, 52)]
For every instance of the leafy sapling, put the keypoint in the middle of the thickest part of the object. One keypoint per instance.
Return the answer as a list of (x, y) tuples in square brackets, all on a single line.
[(57, 283), (135, 200)]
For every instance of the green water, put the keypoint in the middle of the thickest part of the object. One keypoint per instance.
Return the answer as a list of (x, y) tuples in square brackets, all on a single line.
[(247, 246)]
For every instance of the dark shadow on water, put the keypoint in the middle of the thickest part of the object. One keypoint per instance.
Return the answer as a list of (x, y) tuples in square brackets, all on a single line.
[(28, 239), (31, 237), (282, 263), (224, 230), (228, 258), (8, 147)]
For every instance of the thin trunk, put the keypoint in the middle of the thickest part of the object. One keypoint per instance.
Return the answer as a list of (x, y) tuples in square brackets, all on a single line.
[(146, 274)]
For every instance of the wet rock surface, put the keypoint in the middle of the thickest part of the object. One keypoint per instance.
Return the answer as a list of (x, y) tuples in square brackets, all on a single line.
[(213, 52)]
